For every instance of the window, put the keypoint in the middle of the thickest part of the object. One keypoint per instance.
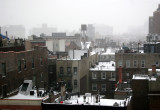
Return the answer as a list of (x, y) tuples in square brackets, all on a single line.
[(4, 91), (127, 74), (142, 63), (119, 63), (103, 75), (94, 87), (127, 63), (94, 75), (103, 87), (25, 64), (41, 61), (157, 64), (112, 75), (135, 63), (24, 86), (34, 80), (41, 76), (75, 70), (68, 70), (3, 69), (19, 65), (75, 83), (32, 62), (61, 70), (50, 69)]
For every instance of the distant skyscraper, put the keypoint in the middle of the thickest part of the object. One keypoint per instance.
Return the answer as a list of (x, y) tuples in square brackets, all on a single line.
[(14, 31), (156, 21), (90, 31), (150, 24)]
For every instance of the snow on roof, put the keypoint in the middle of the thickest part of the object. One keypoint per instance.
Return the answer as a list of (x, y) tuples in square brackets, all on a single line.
[(98, 50), (92, 101), (77, 53), (143, 77), (109, 51), (22, 96), (104, 66), (85, 45), (157, 70), (92, 53)]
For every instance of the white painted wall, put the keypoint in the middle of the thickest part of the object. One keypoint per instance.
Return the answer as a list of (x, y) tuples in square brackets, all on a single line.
[(49, 44)]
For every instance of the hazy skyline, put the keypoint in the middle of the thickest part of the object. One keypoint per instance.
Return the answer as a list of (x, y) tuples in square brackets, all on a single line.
[(70, 14)]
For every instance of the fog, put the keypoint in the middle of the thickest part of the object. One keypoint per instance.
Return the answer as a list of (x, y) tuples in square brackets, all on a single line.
[(70, 14)]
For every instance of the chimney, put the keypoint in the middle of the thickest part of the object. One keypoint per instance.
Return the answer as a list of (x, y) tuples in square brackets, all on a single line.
[(6, 34), (120, 74), (153, 68)]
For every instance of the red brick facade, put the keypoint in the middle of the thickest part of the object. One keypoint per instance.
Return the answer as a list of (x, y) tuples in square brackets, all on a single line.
[(15, 75)]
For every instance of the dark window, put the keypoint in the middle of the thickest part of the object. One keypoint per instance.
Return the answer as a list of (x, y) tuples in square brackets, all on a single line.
[(4, 91), (75, 70), (41, 76), (50, 69), (34, 80), (94, 87), (25, 64), (61, 70), (19, 65), (75, 83), (3, 69), (32, 62), (41, 61), (24, 86), (68, 70)]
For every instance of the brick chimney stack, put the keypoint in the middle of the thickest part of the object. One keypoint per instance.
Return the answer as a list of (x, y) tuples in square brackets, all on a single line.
[(153, 68)]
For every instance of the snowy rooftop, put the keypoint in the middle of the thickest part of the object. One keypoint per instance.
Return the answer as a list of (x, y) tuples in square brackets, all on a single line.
[(91, 100), (109, 51), (30, 97), (143, 77), (157, 70), (85, 45), (104, 66)]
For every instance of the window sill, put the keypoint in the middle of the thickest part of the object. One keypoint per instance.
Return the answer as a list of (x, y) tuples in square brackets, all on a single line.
[(3, 76), (19, 71)]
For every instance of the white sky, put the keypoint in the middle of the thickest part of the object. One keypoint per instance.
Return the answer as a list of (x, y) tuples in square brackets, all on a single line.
[(70, 14)]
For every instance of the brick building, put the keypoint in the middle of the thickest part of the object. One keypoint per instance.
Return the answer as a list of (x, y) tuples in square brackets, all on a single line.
[(102, 79), (135, 63), (75, 72), (15, 67)]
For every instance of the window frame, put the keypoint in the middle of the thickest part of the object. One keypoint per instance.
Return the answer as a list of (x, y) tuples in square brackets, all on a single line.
[(94, 75), (94, 86), (120, 63), (135, 63), (142, 63), (128, 63), (103, 74), (19, 66), (102, 87), (3, 69), (75, 72)]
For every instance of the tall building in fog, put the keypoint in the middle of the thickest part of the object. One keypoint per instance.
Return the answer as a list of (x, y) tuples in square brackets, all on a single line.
[(44, 29), (90, 31), (151, 24), (14, 31), (154, 22)]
